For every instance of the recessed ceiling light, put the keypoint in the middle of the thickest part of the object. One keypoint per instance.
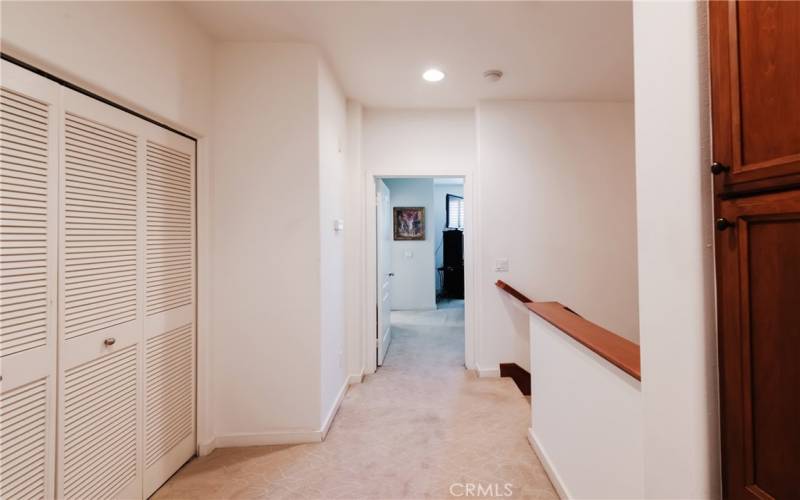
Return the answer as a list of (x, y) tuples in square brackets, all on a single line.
[(433, 75)]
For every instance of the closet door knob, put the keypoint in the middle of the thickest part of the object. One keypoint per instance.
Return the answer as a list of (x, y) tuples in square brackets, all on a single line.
[(722, 224), (109, 341), (718, 168)]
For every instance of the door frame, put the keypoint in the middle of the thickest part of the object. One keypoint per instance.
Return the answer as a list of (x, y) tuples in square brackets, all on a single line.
[(369, 313), (383, 330)]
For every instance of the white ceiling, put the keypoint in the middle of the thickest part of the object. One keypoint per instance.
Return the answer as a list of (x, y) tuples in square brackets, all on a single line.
[(547, 50)]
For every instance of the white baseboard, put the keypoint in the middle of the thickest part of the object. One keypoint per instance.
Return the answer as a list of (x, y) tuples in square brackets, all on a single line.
[(488, 372), (355, 379), (276, 437), (206, 448), (549, 467), (268, 438), (326, 425)]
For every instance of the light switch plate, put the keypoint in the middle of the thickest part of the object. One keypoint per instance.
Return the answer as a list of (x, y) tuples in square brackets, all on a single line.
[(338, 225), (501, 265)]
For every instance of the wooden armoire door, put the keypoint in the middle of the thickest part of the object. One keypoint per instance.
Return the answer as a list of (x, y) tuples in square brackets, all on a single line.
[(755, 73), (755, 93), (759, 339)]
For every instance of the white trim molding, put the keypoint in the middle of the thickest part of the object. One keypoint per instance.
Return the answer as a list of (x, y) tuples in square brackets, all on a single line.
[(326, 425), (549, 468), (287, 436), (470, 262), (268, 438), (356, 378), (492, 372), (207, 447)]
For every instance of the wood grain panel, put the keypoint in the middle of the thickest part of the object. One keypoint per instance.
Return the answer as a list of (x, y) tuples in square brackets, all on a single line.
[(502, 285), (769, 59), (773, 270), (758, 261), (755, 77)]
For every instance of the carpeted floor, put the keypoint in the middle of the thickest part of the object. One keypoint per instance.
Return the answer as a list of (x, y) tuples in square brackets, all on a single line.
[(421, 427)]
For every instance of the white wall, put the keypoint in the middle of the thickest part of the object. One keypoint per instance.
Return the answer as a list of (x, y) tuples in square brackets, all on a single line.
[(355, 294), (557, 199), (267, 239), (586, 423), (440, 192), (332, 178), (151, 58), (676, 292), (413, 143), (405, 142), (148, 56), (413, 284)]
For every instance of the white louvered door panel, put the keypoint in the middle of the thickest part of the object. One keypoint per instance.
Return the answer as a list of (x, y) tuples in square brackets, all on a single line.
[(100, 426), (29, 109), (97, 296), (101, 263), (101, 208), (169, 401)]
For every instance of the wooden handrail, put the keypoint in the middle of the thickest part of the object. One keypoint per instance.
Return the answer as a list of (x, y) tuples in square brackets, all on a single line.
[(618, 351), (502, 285)]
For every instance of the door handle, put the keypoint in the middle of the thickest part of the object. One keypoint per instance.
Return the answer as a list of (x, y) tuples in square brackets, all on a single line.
[(391, 275), (723, 224), (719, 168)]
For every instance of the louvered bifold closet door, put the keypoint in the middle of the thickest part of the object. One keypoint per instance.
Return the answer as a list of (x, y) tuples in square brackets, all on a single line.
[(169, 348), (101, 270), (29, 108)]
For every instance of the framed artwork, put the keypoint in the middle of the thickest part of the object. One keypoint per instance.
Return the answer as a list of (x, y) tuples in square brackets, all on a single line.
[(409, 223)]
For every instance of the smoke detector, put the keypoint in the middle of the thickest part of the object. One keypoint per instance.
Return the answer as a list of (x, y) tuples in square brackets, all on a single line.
[(493, 75)]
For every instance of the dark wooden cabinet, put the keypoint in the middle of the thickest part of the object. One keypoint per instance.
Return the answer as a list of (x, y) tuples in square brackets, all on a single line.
[(755, 95), (755, 79), (759, 342)]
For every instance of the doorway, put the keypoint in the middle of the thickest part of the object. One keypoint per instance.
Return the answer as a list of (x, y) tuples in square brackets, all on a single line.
[(419, 249)]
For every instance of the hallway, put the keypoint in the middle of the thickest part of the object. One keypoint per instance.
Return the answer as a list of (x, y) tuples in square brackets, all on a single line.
[(419, 425)]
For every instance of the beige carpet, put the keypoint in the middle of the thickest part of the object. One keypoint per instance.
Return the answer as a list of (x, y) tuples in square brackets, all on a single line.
[(421, 427)]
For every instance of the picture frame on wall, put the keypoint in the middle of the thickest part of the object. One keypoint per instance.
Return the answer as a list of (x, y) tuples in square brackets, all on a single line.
[(409, 223)]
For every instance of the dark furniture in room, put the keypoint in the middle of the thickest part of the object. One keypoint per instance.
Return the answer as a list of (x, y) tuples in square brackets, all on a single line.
[(453, 264)]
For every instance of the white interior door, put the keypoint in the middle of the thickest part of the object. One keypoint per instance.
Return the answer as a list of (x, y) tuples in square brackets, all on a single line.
[(127, 393), (97, 295), (100, 301), (384, 274), (169, 333), (29, 115)]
